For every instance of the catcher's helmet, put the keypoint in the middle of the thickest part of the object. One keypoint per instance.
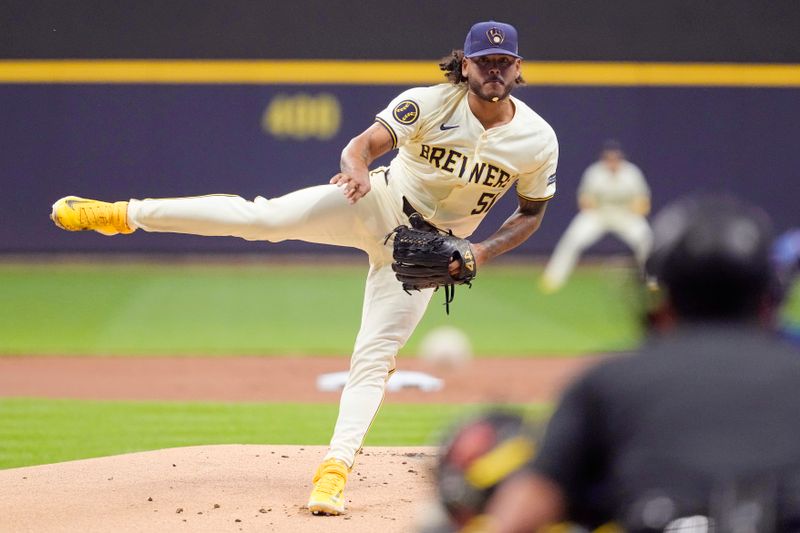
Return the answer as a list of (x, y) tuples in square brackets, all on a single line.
[(477, 457), (713, 256)]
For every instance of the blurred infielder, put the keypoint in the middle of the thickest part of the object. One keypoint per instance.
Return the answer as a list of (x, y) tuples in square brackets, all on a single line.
[(461, 146), (613, 197)]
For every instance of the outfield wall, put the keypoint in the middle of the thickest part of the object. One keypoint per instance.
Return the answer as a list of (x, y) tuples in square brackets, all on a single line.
[(137, 140), (704, 96)]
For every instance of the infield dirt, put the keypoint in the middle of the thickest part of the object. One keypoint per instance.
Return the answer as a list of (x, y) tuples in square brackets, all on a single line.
[(271, 379), (210, 489)]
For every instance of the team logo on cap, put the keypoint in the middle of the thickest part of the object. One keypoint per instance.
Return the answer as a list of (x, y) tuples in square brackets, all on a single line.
[(406, 112), (496, 36)]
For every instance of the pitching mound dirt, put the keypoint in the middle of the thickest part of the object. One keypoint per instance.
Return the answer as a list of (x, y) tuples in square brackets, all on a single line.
[(214, 489)]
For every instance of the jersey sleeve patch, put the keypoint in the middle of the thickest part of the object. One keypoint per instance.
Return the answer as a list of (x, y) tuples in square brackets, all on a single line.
[(406, 112)]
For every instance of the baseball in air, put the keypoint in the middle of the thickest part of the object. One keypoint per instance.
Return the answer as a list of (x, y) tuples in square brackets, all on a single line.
[(445, 347)]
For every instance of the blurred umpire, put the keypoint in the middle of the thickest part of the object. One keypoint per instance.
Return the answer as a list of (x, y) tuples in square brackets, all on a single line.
[(700, 430)]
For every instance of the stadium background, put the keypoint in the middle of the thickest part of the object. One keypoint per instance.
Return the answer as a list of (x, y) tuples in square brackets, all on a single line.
[(135, 99), (97, 133)]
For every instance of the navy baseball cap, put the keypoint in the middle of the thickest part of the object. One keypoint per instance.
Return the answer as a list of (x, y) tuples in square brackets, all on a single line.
[(491, 37)]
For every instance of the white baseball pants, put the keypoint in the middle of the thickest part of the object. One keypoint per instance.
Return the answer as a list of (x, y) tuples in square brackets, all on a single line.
[(587, 228), (320, 215)]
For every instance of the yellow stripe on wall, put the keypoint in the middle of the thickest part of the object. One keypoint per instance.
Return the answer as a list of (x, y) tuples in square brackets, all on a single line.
[(664, 74), (224, 72), (355, 72)]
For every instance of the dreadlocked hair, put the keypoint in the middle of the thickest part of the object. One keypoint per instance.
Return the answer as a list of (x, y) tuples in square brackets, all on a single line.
[(451, 66)]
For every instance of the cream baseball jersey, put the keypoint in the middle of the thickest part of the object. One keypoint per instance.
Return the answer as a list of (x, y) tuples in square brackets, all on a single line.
[(453, 170), (612, 190)]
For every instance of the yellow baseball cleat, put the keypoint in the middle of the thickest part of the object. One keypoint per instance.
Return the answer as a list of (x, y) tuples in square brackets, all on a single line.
[(327, 498), (73, 213)]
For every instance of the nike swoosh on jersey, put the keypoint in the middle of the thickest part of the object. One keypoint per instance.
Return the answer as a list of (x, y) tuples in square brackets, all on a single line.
[(445, 127)]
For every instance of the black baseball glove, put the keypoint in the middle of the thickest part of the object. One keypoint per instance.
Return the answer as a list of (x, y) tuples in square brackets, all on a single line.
[(422, 256)]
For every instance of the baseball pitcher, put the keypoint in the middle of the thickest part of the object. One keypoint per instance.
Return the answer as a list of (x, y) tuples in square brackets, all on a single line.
[(461, 146)]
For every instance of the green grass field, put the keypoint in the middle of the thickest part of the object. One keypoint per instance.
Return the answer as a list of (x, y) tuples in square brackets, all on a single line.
[(36, 431), (272, 310), (148, 309)]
